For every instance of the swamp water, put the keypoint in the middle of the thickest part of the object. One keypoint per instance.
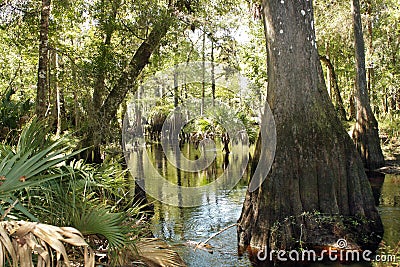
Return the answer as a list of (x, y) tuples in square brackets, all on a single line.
[(222, 207)]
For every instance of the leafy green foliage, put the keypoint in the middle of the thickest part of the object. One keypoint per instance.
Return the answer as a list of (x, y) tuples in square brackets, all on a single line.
[(12, 113), (94, 200), (72, 206), (204, 125), (390, 126), (251, 127), (34, 160), (333, 26)]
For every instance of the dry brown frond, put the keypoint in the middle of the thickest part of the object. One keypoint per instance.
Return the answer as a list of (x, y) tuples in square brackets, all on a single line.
[(155, 252), (19, 240)]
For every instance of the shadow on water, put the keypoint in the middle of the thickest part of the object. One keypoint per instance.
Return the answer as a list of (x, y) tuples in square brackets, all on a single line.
[(181, 227)]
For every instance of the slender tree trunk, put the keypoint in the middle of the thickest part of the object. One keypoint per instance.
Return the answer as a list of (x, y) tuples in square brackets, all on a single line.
[(353, 112), (203, 84), (176, 88), (55, 94), (328, 70), (365, 132), (370, 50), (212, 73), (394, 91), (42, 90), (392, 99), (317, 187), (335, 87), (385, 102)]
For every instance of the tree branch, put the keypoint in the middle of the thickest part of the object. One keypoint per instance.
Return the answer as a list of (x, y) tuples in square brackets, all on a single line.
[(140, 59)]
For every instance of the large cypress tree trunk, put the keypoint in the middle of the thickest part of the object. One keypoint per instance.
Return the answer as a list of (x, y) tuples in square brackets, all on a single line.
[(365, 132), (317, 185), (42, 89)]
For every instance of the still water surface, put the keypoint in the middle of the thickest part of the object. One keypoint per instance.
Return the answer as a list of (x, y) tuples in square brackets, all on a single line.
[(222, 208)]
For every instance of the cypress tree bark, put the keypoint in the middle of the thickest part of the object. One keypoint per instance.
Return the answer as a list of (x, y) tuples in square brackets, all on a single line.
[(317, 187), (365, 132)]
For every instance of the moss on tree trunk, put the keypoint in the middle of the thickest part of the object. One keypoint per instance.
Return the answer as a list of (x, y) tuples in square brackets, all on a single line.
[(317, 188)]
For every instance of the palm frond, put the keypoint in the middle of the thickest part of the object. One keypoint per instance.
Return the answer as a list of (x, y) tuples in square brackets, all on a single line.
[(98, 220), (71, 204), (33, 161), (33, 136), (20, 240), (155, 252)]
